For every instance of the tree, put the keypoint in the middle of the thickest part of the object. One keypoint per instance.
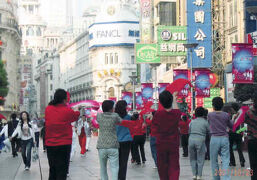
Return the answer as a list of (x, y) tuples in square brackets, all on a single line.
[(3, 83), (244, 92)]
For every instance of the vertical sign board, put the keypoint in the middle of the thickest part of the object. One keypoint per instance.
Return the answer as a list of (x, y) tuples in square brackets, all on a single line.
[(181, 74), (146, 24), (242, 67), (202, 83), (200, 31)]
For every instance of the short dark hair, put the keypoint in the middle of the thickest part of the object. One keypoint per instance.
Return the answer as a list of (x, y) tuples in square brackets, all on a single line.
[(121, 108), (199, 112), (59, 96), (166, 99), (135, 116), (13, 116), (217, 103), (107, 105), (205, 113), (235, 106)]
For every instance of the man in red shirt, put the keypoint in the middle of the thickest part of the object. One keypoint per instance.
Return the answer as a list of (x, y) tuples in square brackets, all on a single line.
[(165, 128), (183, 129)]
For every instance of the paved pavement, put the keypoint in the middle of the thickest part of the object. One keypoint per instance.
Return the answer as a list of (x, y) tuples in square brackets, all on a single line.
[(88, 167)]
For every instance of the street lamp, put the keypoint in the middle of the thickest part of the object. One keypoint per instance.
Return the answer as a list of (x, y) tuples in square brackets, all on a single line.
[(154, 66), (191, 46), (133, 78)]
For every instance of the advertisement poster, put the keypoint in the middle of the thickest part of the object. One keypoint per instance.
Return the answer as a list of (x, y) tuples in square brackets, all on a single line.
[(146, 53), (139, 100), (202, 83), (162, 87), (242, 68), (181, 74), (127, 96), (199, 30), (147, 91)]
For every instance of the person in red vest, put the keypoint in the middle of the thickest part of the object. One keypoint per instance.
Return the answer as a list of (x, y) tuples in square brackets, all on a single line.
[(165, 127), (184, 127), (58, 135)]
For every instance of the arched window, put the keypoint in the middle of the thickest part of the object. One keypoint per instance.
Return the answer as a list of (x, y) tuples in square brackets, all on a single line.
[(111, 92), (30, 31), (39, 33)]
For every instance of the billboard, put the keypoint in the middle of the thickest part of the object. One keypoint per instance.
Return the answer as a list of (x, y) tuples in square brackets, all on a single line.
[(127, 96), (171, 40), (199, 31), (202, 83), (242, 65), (146, 53), (146, 18), (147, 91), (181, 74)]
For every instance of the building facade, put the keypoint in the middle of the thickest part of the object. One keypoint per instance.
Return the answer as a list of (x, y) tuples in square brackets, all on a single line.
[(10, 37)]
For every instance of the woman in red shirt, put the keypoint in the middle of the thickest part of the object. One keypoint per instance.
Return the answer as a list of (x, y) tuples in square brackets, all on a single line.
[(58, 135)]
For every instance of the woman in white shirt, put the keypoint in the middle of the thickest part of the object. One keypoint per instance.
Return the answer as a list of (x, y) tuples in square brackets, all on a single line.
[(25, 132)]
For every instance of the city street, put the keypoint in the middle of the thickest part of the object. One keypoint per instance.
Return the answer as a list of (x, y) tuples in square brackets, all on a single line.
[(88, 167)]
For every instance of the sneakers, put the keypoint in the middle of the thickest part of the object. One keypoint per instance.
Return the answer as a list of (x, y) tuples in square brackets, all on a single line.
[(155, 167), (198, 178), (194, 177), (26, 168), (83, 155)]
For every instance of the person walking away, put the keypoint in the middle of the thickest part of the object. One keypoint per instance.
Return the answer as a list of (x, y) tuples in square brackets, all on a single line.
[(208, 138), (183, 127), (88, 133), (81, 129), (251, 121), (198, 130), (25, 131), (58, 134), (42, 134), (36, 131), (124, 139), (134, 117), (165, 127), (219, 145)]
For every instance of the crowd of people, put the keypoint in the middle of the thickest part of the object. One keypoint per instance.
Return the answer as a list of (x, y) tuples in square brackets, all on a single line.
[(206, 136)]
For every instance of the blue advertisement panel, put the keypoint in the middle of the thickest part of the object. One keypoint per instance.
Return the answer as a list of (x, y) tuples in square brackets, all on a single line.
[(200, 31)]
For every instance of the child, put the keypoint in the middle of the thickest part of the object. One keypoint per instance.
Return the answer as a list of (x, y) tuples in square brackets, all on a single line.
[(165, 127), (183, 127)]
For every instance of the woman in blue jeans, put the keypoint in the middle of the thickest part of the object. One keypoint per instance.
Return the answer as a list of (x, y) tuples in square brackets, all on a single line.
[(25, 132), (219, 145)]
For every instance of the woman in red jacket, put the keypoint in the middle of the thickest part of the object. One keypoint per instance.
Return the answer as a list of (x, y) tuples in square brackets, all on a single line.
[(183, 129), (58, 135)]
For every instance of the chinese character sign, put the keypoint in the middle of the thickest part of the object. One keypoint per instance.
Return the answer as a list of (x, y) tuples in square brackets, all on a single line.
[(200, 31), (147, 91), (162, 87), (202, 83), (181, 74), (139, 100), (127, 96), (146, 53), (171, 40), (242, 69), (146, 27)]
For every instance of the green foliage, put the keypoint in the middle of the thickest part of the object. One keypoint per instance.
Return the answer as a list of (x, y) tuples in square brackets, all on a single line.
[(3, 81), (244, 92)]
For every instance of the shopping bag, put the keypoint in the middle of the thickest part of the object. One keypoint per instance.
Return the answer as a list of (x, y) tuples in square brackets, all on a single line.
[(35, 154), (7, 144)]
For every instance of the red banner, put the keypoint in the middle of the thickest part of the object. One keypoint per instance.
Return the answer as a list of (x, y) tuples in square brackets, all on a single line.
[(202, 83), (181, 74), (114, 99), (147, 91), (243, 67)]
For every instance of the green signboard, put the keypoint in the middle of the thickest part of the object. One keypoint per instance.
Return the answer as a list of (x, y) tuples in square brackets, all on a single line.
[(146, 53), (171, 40), (213, 93)]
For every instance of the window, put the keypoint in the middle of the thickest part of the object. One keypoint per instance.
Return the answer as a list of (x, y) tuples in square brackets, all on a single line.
[(231, 13), (30, 32), (132, 58), (38, 32), (235, 13), (51, 77), (51, 87), (106, 58), (167, 14), (116, 58), (31, 9), (0, 18), (0, 55), (111, 58), (236, 38)]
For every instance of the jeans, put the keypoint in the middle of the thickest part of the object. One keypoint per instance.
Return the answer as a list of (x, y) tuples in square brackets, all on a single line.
[(15, 146), (219, 145), (26, 146), (58, 160), (252, 146), (153, 149), (113, 156), (197, 155), (123, 159)]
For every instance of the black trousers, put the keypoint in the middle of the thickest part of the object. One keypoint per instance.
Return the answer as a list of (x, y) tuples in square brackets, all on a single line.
[(139, 144), (132, 149), (37, 139), (15, 146), (235, 138), (123, 159), (184, 143), (252, 146), (207, 144), (58, 160)]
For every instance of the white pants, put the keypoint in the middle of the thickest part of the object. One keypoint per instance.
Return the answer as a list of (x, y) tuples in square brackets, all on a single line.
[(74, 145), (88, 141)]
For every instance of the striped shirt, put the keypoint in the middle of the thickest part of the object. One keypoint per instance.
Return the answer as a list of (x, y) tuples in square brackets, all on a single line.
[(251, 121)]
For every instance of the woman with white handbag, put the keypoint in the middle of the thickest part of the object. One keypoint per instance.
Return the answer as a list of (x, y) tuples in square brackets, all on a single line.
[(6, 142), (25, 132)]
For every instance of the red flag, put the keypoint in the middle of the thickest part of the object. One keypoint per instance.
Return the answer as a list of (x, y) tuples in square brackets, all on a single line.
[(178, 85)]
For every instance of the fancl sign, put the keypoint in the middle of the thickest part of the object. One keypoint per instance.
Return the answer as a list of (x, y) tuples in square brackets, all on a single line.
[(146, 53), (119, 33)]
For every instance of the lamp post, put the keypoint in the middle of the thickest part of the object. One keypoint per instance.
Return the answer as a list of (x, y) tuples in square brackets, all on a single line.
[(191, 46), (154, 66), (133, 78)]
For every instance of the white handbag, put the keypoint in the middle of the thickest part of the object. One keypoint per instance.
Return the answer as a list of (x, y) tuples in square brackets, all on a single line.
[(7, 144)]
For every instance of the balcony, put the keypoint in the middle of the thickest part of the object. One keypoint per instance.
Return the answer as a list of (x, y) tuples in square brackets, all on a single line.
[(12, 27)]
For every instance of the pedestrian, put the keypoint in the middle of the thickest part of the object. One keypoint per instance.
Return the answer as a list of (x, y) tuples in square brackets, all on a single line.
[(219, 145), (251, 121), (165, 127), (88, 132), (42, 134), (184, 127), (152, 140), (25, 132), (36, 131), (198, 130), (81, 130), (207, 138), (58, 134), (74, 141), (134, 117)]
